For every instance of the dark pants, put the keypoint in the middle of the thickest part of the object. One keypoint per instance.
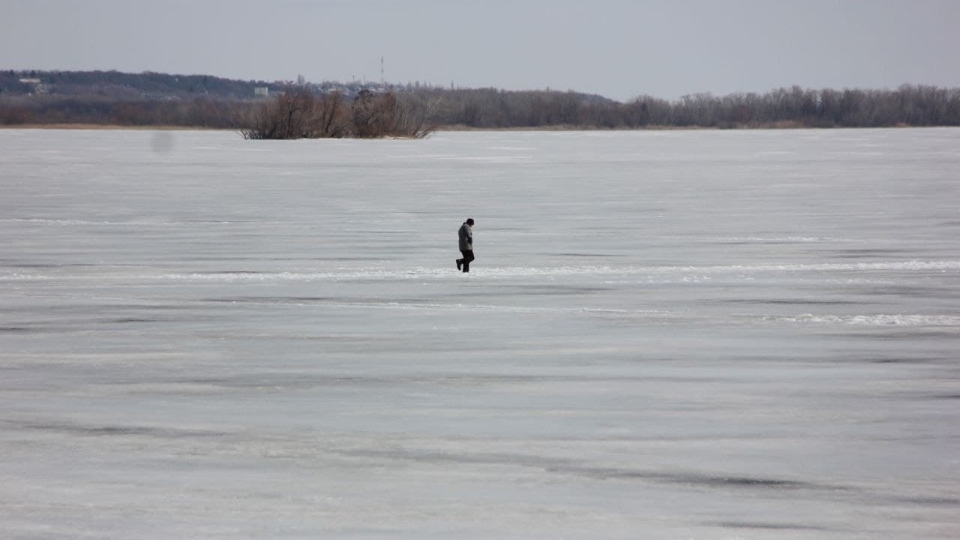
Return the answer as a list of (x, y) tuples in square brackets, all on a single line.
[(465, 261)]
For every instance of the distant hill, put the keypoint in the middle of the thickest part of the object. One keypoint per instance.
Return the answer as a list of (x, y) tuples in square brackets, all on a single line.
[(129, 86), (149, 86)]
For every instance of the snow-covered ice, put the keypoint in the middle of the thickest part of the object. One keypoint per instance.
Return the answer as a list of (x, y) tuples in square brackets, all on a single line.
[(706, 335)]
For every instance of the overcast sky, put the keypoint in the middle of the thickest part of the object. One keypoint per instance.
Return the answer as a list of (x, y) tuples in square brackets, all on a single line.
[(616, 48)]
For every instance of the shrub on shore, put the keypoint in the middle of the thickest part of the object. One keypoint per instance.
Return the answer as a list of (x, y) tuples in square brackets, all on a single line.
[(303, 115)]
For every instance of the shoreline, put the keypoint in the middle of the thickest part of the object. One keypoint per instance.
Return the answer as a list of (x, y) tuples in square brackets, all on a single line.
[(94, 127), (462, 128)]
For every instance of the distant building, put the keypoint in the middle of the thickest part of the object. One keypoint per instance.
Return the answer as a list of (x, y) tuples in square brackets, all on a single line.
[(38, 86), (261, 91)]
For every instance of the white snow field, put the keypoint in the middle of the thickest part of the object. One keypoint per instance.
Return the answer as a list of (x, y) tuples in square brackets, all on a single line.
[(666, 335)]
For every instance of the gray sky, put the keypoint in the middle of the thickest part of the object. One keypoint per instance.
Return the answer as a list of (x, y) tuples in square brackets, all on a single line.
[(616, 48)]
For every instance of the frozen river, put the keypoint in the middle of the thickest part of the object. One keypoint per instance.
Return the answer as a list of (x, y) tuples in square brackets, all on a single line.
[(666, 335)]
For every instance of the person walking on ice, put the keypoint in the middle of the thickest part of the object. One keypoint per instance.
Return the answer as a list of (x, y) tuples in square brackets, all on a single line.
[(466, 245)]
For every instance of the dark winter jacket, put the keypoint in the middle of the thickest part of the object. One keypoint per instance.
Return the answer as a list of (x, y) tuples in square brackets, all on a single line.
[(466, 237)]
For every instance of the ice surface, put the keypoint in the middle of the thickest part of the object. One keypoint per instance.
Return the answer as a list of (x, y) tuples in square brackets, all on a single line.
[(665, 335)]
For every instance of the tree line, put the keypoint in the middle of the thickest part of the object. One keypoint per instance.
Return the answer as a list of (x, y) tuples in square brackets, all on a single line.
[(295, 111), (793, 107), (52, 110)]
